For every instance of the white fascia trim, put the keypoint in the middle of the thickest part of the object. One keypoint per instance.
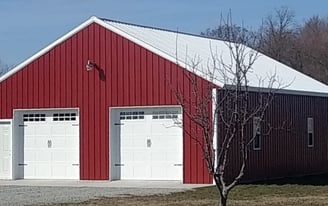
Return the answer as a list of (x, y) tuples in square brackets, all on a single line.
[(280, 91), (6, 120), (48, 48)]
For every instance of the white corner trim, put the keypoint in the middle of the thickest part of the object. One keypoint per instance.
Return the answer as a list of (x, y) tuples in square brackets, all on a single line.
[(215, 128), (48, 48)]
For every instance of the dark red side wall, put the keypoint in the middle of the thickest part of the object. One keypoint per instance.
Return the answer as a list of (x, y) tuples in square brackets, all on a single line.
[(285, 150), (133, 77)]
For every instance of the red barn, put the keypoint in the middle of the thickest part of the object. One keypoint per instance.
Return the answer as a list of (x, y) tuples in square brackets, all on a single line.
[(99, 104)]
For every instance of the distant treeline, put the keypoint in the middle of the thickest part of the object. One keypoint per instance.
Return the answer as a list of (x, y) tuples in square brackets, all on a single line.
[(304, 46)]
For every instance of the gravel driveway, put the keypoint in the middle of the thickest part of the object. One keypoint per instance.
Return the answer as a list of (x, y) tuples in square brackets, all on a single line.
[(32, 195)]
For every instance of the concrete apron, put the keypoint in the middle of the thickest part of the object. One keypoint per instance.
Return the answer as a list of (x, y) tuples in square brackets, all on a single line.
[(93, 183)]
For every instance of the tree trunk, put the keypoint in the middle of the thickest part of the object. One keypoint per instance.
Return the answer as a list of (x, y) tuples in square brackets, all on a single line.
[(223, 201)]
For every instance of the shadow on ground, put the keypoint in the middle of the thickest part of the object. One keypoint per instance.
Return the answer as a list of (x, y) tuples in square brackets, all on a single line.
[(314, 180)]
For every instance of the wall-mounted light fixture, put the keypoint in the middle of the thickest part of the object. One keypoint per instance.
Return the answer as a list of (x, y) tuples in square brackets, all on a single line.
[(90, 65)]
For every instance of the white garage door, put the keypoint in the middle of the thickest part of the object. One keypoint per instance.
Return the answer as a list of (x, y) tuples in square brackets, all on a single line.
[(150, 144), (51, 144), (5, 149)]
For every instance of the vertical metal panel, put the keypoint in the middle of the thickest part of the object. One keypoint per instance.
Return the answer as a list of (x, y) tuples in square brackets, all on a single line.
[(133, 76), (137, 83), (97, 106), (120, 75), (143, 76), (85, 157), (103, 120), (68, 72), (284, 150), (91, 104)]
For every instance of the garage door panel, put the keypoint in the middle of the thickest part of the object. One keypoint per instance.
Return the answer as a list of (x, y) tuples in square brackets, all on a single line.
[(159, 156), (64, 156), (42, 156), (58, 156), (43, 170), (140, 143), (145, 144), (174, 156), (5, 142), (127, 156), (172, 171), (73, 172), (72, 156), (72, 129), (126, 170), (140, 156), (128, 142), (159, 172), (36, 156), (39, 143), (29, 130), (51, 145), (29, 142), (128, 129), (167, 130), (141, 171), (29, 155), (5, 164), (58, 129), (71, 142), (60, 171), (64, 171), (42, 130)]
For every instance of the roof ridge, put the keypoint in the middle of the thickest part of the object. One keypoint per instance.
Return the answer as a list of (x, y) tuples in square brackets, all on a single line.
[(160, 29)]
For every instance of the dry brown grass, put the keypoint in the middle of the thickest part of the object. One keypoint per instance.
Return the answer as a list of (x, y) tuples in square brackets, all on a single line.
[(278, 196), (293, 191)]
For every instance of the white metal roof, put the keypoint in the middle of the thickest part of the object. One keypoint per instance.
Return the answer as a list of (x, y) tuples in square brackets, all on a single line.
[(182, 48)]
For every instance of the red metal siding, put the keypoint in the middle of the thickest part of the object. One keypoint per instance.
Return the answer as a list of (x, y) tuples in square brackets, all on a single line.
[(133, 77), (284, 150)]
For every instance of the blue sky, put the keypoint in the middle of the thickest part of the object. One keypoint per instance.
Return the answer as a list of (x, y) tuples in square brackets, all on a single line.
[(28, 26)]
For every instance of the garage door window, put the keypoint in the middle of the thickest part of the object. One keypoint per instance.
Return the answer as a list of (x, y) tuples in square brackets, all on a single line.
[(64, 117), (132, 115), (34, 117), (165, 115)]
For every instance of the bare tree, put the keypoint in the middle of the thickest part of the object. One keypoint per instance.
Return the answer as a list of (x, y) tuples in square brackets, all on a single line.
[(313, 41), (279, 35), (232, 33), (3, 68), (232, 109), (300, 46)]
